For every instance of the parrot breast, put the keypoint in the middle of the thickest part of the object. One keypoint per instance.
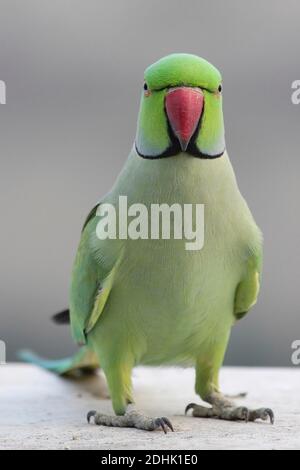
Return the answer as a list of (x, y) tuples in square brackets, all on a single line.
[(168, 304)]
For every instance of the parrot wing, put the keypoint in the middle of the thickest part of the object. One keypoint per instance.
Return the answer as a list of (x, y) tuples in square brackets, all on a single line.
[(248, 289), (91, 283)]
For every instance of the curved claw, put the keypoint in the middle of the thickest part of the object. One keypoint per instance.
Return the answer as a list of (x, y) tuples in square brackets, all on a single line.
[(163, 426), (91, 414), (190, 406), (168, 423), (269, 413), (159, 423), (164, 423)]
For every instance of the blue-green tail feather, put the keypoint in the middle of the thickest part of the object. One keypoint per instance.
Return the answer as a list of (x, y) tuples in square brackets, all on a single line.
[(83, 360)]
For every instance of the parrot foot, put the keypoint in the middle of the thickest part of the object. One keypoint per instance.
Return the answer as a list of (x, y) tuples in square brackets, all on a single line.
[(132, 419), (231, 413)]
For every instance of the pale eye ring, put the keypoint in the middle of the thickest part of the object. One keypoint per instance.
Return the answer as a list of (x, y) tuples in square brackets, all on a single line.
[(145, 87), (220, 88)]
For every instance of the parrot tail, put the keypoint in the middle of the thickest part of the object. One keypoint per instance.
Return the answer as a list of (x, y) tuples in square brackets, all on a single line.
[(62, 318), (82, 363)]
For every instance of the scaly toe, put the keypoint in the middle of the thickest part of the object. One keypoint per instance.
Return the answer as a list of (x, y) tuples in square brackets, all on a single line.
[(243, 413), (263, 413), (131, 419), (229, 413)]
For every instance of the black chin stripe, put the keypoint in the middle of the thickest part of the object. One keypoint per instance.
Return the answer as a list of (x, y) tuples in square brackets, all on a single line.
[(171, 152)]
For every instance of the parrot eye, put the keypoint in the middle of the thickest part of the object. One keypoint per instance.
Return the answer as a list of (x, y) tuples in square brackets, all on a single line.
[(220, 88), (146, 90)]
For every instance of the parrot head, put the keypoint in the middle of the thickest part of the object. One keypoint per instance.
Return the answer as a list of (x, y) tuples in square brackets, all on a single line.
[(181, 109)]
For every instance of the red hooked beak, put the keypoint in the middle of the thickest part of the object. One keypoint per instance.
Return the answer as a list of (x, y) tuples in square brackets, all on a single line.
[(184, 107)]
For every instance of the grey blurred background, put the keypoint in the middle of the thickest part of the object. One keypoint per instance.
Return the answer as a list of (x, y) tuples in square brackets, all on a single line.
[(74, 71)]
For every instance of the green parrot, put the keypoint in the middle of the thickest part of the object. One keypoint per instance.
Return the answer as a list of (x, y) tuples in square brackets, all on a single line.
[(151, 301)]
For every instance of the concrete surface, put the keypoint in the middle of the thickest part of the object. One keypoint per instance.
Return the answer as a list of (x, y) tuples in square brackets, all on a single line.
[(41, 411)]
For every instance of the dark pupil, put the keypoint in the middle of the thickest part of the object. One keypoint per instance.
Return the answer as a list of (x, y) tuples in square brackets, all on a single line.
[(220, 88), (145, 86)]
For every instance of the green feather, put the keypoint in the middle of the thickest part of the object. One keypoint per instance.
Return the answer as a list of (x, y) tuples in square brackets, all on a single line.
[(152, 138), (182, 69), (83, 360)]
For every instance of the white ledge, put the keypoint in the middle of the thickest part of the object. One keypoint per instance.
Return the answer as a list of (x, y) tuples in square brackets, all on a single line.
[(39, 410)]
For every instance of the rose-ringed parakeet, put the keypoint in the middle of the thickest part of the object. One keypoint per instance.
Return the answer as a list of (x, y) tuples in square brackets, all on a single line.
[(151, 301)]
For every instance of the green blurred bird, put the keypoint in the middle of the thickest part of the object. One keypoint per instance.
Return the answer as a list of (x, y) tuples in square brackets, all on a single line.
[(152, 301)]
